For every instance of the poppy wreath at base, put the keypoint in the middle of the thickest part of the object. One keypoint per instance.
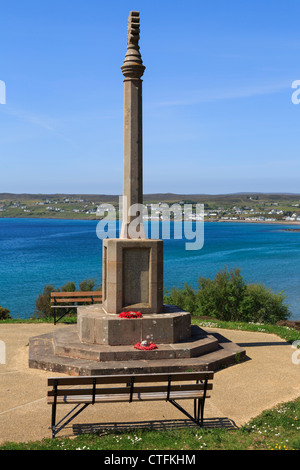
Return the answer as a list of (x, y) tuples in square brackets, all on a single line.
[(130, 315), (148, 347)]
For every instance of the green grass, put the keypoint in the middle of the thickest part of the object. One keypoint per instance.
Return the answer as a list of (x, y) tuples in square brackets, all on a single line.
[(275, 429), (285, 332)]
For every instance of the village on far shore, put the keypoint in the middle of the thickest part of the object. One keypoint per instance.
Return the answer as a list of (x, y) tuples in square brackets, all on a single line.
[(240, 207)]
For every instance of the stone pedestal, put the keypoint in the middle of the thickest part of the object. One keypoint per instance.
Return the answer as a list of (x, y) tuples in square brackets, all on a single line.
[(132, 275), (62, 351), (95, 326)]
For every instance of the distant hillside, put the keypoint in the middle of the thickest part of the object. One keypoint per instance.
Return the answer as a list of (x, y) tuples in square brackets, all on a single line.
[(166, 197), (239, 206), (38, 197)]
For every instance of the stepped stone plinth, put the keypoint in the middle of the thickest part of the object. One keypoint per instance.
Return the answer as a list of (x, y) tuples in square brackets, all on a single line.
[(62, 351), (96, 326), (67, 343)]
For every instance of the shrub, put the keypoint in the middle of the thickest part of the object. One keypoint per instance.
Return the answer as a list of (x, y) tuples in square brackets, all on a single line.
[(222, 296), (229, 298), (69, 287), (4, 313), (87, 285), (42, 303), (184, 298), (262, 305)]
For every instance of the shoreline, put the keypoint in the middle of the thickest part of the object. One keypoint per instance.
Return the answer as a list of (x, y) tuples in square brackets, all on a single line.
[(268, 222)]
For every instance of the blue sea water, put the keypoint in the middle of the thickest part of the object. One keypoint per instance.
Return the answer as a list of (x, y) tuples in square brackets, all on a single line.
[(35, 252)]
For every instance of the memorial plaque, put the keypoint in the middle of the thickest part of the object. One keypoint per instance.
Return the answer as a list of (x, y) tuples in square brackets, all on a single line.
[(136, 265)]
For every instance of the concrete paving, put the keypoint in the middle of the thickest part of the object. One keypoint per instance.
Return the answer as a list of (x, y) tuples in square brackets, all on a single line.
[(267, 377)]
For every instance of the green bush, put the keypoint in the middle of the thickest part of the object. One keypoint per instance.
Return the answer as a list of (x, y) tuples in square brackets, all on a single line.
[(229, 298), (42, 303), (183, 298), (262, 305), (87, 285), (69, 287), (222, 296), (4, 313)]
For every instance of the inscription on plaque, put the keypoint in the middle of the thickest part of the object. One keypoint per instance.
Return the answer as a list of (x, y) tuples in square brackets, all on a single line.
[(136, 263)]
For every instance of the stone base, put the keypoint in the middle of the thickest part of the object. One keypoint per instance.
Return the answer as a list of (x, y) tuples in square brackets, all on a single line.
[(96, 326), (67, 343), (63, 352)]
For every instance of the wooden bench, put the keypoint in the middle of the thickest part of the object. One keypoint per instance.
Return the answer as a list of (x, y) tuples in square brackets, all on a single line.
[(60, 299), (88, 390)]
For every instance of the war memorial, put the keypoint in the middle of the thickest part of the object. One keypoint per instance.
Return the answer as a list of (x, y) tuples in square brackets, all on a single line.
[(104, 340)]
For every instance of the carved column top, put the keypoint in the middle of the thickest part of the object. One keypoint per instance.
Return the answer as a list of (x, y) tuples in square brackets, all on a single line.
[(133, 65)]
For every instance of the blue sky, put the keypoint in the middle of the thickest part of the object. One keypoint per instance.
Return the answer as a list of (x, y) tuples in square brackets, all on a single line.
[(217, 109)]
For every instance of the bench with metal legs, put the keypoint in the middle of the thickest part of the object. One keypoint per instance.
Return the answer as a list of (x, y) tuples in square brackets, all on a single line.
[(74, 299), (83, 391)]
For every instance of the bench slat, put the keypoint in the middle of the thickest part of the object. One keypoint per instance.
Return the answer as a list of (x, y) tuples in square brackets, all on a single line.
[(126, 378), (125, 397), (76, 299), (121, 390), (77, 294), (65, 306)]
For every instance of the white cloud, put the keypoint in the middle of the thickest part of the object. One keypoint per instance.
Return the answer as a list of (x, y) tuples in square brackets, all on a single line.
[(222, 93)]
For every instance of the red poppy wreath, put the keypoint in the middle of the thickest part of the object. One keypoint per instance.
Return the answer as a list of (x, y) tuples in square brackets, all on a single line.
[(130, 315), (145, 346)]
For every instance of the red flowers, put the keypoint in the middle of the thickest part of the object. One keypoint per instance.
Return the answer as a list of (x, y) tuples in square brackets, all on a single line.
[(149, 347), (130, 315)]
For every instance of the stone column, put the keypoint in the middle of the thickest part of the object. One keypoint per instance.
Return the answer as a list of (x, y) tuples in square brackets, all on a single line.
[(133, 70), (132, 274)]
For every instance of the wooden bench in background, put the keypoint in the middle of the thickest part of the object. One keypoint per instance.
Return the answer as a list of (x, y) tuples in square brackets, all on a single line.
[(73, 299), (83, 391)]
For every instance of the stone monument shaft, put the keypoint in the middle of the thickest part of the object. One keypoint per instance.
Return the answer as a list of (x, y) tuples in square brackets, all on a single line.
[(132, 274), (133, 70)]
